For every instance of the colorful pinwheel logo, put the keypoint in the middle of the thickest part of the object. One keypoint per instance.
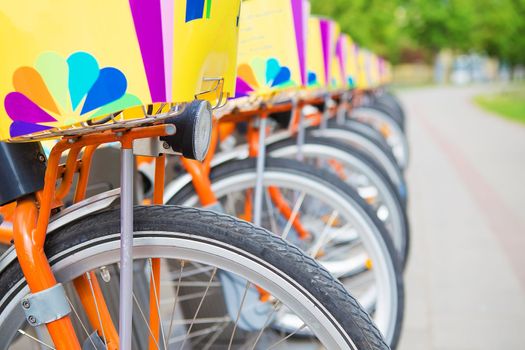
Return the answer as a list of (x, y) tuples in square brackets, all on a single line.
[(58, 90), (196, 9), (262, 75), (312, 79)]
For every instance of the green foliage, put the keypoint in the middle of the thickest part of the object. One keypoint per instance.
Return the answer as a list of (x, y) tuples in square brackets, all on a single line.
[(509, 104), (436, 24), (495, 27), (371, 23)]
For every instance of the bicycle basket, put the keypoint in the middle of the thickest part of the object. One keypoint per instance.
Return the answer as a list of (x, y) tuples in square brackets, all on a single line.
[(375, 76), (363, 75), (322, 39), (346, 57), (272, 56), (65, 62)]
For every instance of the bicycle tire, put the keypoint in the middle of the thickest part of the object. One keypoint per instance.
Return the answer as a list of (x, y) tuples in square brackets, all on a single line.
[(397, 141), (380, 152), (160, 224), (393, 102), (346, 154), (298, 172)]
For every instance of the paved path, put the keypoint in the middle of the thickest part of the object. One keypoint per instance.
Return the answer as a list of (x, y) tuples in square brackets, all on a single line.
[(465, 282)]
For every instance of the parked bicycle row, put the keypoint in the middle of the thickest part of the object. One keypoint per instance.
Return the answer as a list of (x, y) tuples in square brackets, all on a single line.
[(260, 201)]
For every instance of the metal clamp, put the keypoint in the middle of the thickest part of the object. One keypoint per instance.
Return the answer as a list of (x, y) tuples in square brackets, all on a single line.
[(152, 147), (46, 306)]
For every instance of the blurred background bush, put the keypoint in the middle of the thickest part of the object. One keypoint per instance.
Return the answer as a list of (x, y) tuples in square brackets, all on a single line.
[(438, 41)]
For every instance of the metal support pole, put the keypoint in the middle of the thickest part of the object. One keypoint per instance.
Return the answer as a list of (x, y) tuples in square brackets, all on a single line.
[(300, 130), (261, 155), (126, 249), (342, 108)]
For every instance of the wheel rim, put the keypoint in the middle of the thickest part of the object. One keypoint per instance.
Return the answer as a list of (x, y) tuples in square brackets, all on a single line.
[(390, 166), (397, 138), (385, 306), (169, 245), (393, 221)]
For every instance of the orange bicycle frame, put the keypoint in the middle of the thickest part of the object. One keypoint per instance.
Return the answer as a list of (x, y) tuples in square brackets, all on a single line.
[(31, 218)]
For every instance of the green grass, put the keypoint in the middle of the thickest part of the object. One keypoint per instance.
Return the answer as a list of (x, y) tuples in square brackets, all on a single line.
[(509, 104)]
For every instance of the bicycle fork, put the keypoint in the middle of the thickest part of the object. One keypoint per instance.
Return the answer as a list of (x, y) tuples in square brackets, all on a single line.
[(29, 231), (30, 224)]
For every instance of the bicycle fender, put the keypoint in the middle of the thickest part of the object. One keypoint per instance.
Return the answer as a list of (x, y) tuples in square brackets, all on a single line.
[(76, 211)]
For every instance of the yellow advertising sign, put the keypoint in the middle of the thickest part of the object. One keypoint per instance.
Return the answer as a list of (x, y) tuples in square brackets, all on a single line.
[(272, 42), (315, 59), (373, 69), (363, 75), (68, 61), (338, 81), (346, 59), (322, 39)]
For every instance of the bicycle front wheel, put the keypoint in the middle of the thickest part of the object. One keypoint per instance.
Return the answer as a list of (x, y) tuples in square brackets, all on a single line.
[(343, 233), (359, 171), (201, 252)]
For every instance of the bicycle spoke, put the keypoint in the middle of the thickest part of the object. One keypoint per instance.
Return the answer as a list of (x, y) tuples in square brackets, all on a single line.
[(198, 308), (145, 320), (314, 250), (205, 269), (88, 277), (35, 339), (185, 337), (200, 270), (337, 249), (191, 296), (81, 323), (155, 292), (248, 284), (182, 263), (186, 297), (222, 319), (276, 307), (295, 211), (348, 230), (215, 336), (287, 337), (271, 212), (221, 325)]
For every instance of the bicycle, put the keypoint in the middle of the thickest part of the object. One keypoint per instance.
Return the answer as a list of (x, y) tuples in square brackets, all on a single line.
[(81, 246), (292, 199)]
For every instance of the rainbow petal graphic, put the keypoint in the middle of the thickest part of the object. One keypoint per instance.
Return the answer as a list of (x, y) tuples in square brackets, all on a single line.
[(326, 33), (260, 77), (301, 12), (156, 22), (329, 33), (61, 88), (312, 79), (160, 50), (342, 58), (147, 16)]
